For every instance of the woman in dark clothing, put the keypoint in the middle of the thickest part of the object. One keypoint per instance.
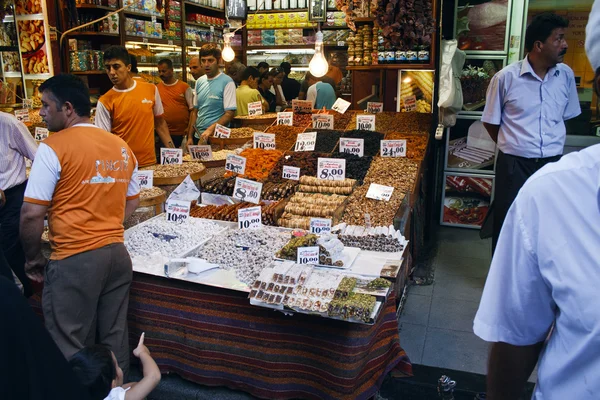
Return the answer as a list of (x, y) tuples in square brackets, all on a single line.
[(264, 87)]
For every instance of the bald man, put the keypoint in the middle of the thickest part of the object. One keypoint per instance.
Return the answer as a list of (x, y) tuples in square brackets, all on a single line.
[(196, 70)]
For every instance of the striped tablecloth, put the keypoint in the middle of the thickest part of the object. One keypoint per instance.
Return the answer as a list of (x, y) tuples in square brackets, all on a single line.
[(214, 336)]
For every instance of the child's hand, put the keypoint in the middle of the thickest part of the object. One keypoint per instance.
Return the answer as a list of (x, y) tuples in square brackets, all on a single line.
[(141, 348)]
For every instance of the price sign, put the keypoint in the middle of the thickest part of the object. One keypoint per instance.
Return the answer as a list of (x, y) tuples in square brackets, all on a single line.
[(171, 156), (28, 103), (250, 218), (352, 146), (285, 118), (410, 103), (212, 28), (302, 106), (145, 40), (365, 122), (236, 164), (170, 43), (145, 179), (247, 190), (393, 148), (340, 105), (374, 108), (306, 141), (333, 169), (40, 133), (143, 59), (193, 43), (322, 121), (264, 141), (255, 108), (308, 255), (380, 192), (22, 115), (153, 18), (341, 43), (292, 173), (201, 152), (320, 225), (178, 210), (222, 132)]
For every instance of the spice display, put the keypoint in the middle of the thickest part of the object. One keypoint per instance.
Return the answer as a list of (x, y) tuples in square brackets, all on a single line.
[(247, 252), (381, 213), (401, 173), (356, 167), (381, 238), (220, 185), (302, 120), (175, 170), (416, 144), (229, 212), (327, 140), (305, 160), (259, 163), (372, 141), (285, 136), (277, 191), (148, 193)]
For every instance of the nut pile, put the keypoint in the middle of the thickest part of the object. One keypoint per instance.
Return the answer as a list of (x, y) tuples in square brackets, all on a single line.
[(372, 141), (381, 212), (217, 155), (255, 117), (229, 212), (140, 215), (285, 136), (416, 144), (151, 192), (259, 163), (327, 140), (400, 122), (238, 133), (356, 167), (401, 173), (247, 252), (305, 160), (302, 120), (220, 186), (277, 191), (175, 170), (341, 121)]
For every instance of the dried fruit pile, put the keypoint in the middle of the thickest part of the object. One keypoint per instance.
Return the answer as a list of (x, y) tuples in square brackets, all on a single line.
[(259, 163), (285, 136), (327, 140), (306, 161), (277, 191), (416, 144)]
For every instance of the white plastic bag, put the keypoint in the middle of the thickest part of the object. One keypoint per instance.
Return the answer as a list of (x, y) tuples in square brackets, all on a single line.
[(186, 191), (450, 91)]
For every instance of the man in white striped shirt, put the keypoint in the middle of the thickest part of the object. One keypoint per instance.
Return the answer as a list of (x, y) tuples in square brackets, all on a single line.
[(15, 143)]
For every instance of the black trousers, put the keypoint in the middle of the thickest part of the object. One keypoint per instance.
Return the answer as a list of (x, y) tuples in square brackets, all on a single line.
[(10, 216), (511, 174)]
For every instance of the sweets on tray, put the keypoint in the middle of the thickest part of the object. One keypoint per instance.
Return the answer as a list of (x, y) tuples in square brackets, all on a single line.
[(330, 248), (277, 191), (380, 238), (356, 305), (220, 185), (259, 163)]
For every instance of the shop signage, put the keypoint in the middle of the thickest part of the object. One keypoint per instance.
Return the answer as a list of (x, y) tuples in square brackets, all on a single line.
[(255, 108), (145, 178), (264, 141), (322, 121), (365, 122), (292, 173), (178, 210), (285, 118), (352, 146), (247, 190), (250, 218), (340, 105), (380, 192), (306, 141), (393, 148), (308, 255), (171, 156), (320, 225), (236, 164), (201, 152), (222, 132), (374, 108), (331, 168)]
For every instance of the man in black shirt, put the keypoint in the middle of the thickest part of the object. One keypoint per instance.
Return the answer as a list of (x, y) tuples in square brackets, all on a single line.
[(291, 87)]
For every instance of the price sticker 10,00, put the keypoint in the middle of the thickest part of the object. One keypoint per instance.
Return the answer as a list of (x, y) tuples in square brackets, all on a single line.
[(250, 218), (308, 255), (177, 210)]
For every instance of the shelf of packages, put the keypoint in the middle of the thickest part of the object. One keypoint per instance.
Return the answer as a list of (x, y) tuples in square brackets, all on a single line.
[(291, 10), (389, 66), (106, 34), (11, 74), (201, 25), (293, 46), (191, 3), (140, 39), (197, 44), (88, 72), (143, 14), (92, 6)]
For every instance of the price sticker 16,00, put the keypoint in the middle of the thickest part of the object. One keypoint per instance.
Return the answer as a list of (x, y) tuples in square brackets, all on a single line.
[(322, 121), (393, 148), (145, 178), (170, 156), (365, 122), (308, 255), (292, 173), (177, 210), (247, 190), (306, 141), (250, 218), (201, 152), (331, 168), (264, 141), (285, 118)]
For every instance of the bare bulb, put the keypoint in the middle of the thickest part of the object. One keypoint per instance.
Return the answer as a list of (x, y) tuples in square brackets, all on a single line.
[(228, 54), (318, 65)]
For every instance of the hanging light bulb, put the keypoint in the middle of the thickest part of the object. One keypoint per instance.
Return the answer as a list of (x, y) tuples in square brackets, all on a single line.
[(318, 65), (227, 54)]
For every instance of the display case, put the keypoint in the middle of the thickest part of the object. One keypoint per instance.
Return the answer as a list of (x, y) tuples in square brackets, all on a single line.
[(482, 26), (469, 148), (415, 91), (466, 199), (12, 77), (475, 79)]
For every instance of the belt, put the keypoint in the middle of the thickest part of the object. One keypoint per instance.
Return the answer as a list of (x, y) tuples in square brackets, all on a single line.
[(536, 160), (14, 188)]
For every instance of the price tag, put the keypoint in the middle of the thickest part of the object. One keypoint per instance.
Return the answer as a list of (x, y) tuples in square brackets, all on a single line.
[(341, 43), (285, 118), (322, 121), (222, 132), (153, 18), (302, 106), (250, 218), (212, 28), (393, 148), (178, 210), (41, 133), (236, 164), (193, 43), (145, 40), (320, 225), (143, 58), (264, 141), (410, 103), (247, 190), (170, 42), (352, 146), (171, 156), (255, 108), (22, 115), (333, 169), (306, 141), (365, 122), (340, 105), (380, 192), (374, 108), (201, 152), (308, 255), (145, 179), (292, 173), (28, 103)]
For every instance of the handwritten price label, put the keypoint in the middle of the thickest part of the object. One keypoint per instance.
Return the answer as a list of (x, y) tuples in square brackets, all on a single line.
[(222, 132), (340, 105), (380, 192), (201, 152), (255, 108), (145, 179), (247, 190), (41, 133), (331, 169), (365, 122), (374, 108), (236, 164), (171, 156), (320, 225), (308, 255), (28, 103), (250, 218), (178, 210), (393, 148), (306, 141), (264, 141), (322, 121), (352, 146), (302, 106), (292, 173), (410, 103), (22, 115), (285, 118)]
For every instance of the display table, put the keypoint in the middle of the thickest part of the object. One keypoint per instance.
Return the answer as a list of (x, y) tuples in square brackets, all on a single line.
[(213, 336)]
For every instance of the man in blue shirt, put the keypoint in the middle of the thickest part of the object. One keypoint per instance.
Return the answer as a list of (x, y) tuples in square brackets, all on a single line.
[(320, 93), (214, 98), (526, 106)]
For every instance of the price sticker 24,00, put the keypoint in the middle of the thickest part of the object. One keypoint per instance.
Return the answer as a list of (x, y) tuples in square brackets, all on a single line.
[(393, 148)]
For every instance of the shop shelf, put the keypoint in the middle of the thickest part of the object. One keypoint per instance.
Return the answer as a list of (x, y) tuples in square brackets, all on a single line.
[(201, 25), (146, 40), (389, 66), (143, 14), (92, 6), (295, 10), (192, 4), (106, 34)]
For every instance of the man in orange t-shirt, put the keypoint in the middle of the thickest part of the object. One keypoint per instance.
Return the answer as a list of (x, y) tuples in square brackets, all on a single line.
[(178, 101), (132, 109), (85, 179)]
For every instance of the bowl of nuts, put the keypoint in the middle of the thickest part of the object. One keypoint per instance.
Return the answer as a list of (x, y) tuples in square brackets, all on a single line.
[(32, 37)]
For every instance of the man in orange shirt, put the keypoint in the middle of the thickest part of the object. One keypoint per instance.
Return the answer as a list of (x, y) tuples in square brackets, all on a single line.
[(85, 179), (178, 101), (131, 109)]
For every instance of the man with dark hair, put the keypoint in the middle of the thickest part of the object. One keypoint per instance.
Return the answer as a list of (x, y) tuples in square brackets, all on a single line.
[(195, 70), (247, 92), (291, 87), (235, 70), (263, 67), (320, 93), (132, 109), (540, 302), (214, 97), (526, 106), (84, 178), (178, 101)]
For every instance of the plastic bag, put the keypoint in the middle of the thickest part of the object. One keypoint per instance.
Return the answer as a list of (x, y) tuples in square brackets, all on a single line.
[(186, 191)]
